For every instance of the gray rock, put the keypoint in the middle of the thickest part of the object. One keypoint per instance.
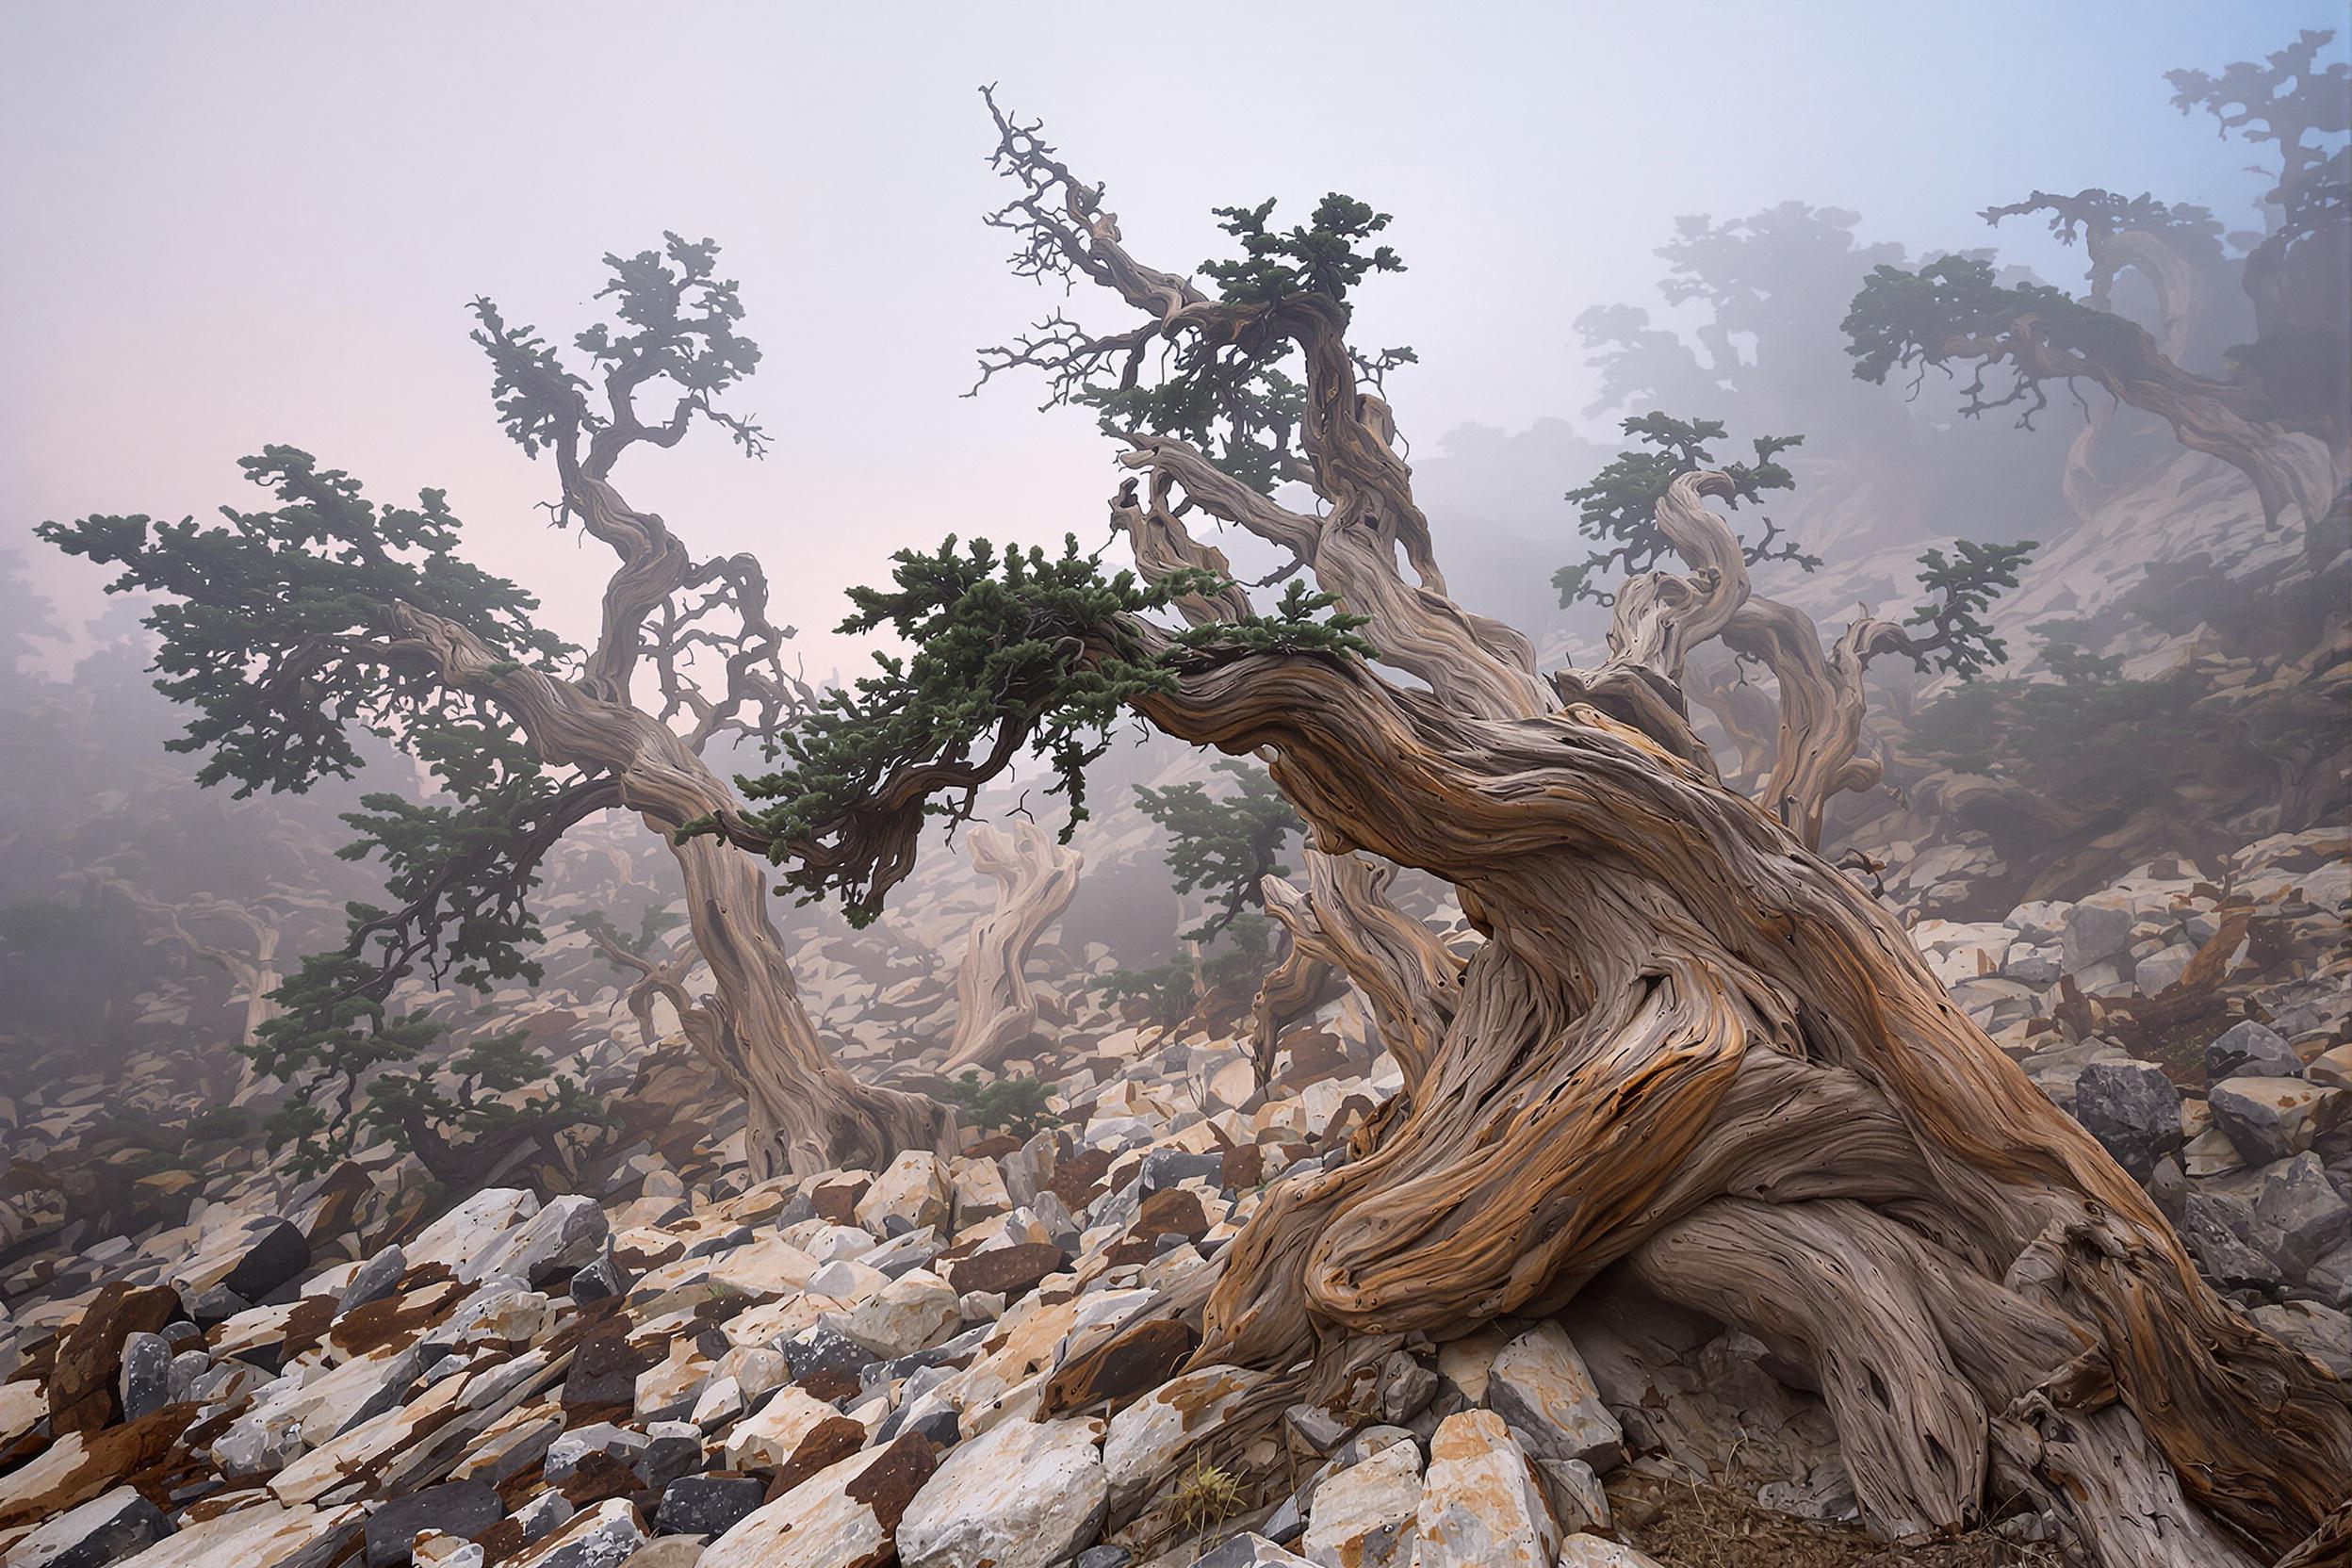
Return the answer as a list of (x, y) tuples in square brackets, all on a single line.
[(673, 1449), (598, 1281), (2134, 1111), (543, 1515), (568, 1235), (1406, 1387), (463, 1509), (106, 1530), (2267, 1119), (377, 1278), (2250, 1050), (1249, 1551), (2331, 1278), (2213, 1226), (2300, 1216), (2094, 933), (1103, 1557), (707, 1505), (1540, 1387), (146, 1378), (275, 1252), (603, 1437)]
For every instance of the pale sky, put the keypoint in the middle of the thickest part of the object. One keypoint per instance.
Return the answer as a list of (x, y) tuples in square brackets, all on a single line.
[(232, 225)]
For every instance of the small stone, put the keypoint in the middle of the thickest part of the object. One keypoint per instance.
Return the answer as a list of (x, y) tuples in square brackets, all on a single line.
[(673, 1449), (707, 1505), (1482, 1503), (1592, 1551), (378, 1278), (2134, 1111), (1540, 1386), (2268, 1119), (913, 1190), (106, 1530), (1023, 1494), (2251, 1050), (599, 1279), (598, 1437), (462, 1509), (542, 1516), (1364, 1516), (146, 1376), (605, 1536), (1406, 1387)]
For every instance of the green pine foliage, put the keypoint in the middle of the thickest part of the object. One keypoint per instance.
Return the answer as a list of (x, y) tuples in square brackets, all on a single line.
[(1016, 653), (1224, 845), (1618, 508), (1015, 1104)]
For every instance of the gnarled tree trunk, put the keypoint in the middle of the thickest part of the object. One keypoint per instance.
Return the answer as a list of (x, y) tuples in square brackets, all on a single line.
[(1035, 877)]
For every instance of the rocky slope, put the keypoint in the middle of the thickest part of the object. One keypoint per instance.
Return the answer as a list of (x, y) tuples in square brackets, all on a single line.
[(678, 1368)]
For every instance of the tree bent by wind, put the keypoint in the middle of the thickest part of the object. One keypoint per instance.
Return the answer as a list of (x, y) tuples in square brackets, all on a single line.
[(1688, 1047), (286, 631)]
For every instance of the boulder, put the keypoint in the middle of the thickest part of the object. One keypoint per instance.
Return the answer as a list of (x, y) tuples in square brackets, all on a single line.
[(1023, 1494), (707, 1505), (1364, 1516), (605, 1536), (913, 1192), (1592, 1551), (105, 1529), (2134, 1111), (1540, 1386), (463, 1509), (2251, 1050), (2300, 1215), (2267, 1119), (275, 1251), (1143, 1437), (564, 1237), (847, 1512), (377, 1278), (1482, 1503)]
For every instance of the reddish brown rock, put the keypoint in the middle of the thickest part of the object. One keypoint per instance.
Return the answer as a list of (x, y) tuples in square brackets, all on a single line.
[(82, 1397)]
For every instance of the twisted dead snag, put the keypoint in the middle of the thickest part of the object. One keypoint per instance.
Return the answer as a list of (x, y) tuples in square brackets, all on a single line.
[(995, 1008)]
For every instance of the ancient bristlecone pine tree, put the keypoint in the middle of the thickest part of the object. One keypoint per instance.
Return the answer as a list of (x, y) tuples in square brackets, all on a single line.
[(285, 629), (1688, 1047)]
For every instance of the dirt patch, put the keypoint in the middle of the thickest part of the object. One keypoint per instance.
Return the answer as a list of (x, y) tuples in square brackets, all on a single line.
[(1702, 1526)]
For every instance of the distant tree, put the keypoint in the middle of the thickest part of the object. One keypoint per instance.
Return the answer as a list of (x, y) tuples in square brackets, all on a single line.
[(1224, 847), (290, 631), (2292, 380)]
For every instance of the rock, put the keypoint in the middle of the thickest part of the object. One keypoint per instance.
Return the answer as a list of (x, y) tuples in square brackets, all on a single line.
[(1406, 1387), (1143, 1437), (462, 1509), (770, 1437), (2331, 1278), (824, 1350), (707, 1505), (2095, 931), (378, 1278), (2300, 1215), (471, 1226), (1481, 1504), (2267, 1119), (2212, 1227), (847, 1512), (2331, 1069), (673, 1449), (906, 1314), (144, 1385), (1592, 1551), (1578, 1500), (1364, 1516), (105, 1529), (605, 1536), (1009, 1271), (618, 1444), (566, 1236), (1249, 1551), (2320, 1332), (85, 1378), (599, 1279), (913, 1191), (1023, 1494), (2133, 1110), (2210, 1153), (275, 1251), (2251, 1050), (542, 1516), (1540, 1385)]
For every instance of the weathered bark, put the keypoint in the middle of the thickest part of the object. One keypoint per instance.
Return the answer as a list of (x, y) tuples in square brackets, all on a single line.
[(1818, 754), (1344, 918), (995, 1008)]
